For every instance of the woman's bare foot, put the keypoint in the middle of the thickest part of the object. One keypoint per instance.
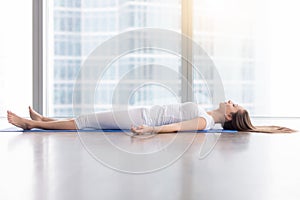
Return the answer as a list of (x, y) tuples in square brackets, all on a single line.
[(18, 121), (35, 115)]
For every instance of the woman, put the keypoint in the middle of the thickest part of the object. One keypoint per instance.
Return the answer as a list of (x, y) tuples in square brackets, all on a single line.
[(157, 119)]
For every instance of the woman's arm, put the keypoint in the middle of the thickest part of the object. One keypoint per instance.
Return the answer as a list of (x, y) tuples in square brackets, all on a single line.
[(198, 123)]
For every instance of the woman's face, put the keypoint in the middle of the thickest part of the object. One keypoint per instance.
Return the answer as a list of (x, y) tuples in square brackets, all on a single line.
[(230, 107)]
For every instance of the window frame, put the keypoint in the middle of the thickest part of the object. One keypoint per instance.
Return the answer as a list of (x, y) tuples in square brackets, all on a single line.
[(37, 55)]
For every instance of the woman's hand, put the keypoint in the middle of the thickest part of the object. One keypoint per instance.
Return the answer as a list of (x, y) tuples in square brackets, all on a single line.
[(142, 129)]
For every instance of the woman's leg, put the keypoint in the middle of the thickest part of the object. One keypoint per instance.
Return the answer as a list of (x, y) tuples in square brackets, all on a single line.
[(119, 119), (104, 120), (29, 124), (38, 117)]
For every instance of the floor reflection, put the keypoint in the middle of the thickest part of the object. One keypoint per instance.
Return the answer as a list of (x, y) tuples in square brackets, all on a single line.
[(58, 166)]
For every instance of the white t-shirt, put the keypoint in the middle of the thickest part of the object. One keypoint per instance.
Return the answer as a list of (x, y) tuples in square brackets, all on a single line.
[(167, 114)]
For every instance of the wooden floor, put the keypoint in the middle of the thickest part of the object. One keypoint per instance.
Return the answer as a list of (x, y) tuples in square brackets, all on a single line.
[(89, 166)]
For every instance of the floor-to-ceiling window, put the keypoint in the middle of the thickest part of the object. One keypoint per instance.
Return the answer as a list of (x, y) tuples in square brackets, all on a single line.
[(252, 43), (226, 30), (76, 28)]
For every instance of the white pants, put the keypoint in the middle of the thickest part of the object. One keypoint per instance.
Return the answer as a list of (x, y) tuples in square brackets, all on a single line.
[(112, 119), (154, 116)]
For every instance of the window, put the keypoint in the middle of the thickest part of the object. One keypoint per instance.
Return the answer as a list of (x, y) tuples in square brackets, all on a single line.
[(254, 45), (254, 49), (80, 26)]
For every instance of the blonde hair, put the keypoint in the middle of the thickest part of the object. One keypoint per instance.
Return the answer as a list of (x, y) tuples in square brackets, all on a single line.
[(241, 121)]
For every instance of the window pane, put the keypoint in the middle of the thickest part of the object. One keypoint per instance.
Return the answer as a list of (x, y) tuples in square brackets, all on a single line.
[(254, 49), (226, 35), (15, 56), (75, 28)]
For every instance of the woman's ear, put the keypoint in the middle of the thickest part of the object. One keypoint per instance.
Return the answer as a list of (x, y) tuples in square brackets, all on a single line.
[(228, 117)]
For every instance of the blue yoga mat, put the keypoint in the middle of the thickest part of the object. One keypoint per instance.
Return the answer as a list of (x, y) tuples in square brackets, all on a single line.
[(106, 130)]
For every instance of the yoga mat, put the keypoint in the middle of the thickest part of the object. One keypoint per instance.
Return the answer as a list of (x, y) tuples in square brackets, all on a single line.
[(13, 129)]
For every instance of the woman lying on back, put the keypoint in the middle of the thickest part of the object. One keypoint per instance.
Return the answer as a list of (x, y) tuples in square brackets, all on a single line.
[(157, 119)]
